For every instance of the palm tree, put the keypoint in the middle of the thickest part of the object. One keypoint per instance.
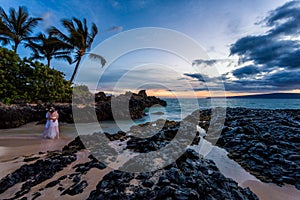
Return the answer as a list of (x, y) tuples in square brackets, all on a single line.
[(79, 37), (50, 47), (16, 27)]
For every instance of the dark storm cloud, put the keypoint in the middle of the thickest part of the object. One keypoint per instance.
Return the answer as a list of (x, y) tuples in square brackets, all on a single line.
[(290, 60), (264, 50), (270, 49), (246, 44), (276, 53), (246, 71), (285, 79), (285, 19), (282, 80)]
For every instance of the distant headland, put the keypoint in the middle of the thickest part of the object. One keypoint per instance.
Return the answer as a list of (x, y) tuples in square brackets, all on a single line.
[(265, 96)]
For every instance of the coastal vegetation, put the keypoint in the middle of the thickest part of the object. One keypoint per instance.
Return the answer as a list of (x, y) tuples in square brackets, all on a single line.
[(28, 79)]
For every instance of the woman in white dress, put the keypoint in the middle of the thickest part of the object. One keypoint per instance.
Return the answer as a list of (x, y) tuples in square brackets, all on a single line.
[(53, 130)]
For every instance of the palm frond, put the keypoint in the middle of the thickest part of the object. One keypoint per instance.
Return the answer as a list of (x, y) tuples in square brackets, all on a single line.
[(64, 57), (36, 56), (68, 24), (4, 40), (34, 47), (92, 36), (79, 25), (30, 24), (3, 14), (53, 31)]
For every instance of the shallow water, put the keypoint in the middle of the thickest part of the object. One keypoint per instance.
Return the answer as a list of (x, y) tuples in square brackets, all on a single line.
[(230, 169)]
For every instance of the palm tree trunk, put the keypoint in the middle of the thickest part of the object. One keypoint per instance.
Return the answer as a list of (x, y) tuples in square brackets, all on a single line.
[(16, 47), (48, 62), (75, 70)]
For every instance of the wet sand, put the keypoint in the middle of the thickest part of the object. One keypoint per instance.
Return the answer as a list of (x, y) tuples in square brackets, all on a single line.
[(27, 140)]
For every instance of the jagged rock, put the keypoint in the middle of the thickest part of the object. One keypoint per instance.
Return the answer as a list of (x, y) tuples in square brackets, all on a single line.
[(35, 173), (142, 93), (264, 142), (100, 96), (18, 115), (171, 182)]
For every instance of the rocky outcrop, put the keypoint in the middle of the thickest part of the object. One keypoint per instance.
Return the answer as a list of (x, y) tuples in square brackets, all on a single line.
[(264, 142), (17, 115), (190, 177), (126, 106)]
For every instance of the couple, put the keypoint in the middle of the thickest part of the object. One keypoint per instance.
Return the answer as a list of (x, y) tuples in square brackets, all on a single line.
[(51, 128)]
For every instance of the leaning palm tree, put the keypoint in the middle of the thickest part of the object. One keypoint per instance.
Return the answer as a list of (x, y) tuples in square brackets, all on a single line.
[(16, 27), (49, 48), (79, 37)]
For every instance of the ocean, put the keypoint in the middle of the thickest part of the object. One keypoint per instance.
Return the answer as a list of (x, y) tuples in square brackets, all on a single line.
[(179, 109)]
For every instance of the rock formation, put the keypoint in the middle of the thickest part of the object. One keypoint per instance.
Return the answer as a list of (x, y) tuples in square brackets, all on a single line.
[(134, 104)]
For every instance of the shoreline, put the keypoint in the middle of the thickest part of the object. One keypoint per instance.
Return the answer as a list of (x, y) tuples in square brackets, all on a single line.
[(19, 143), (27, 140), (15, 158)]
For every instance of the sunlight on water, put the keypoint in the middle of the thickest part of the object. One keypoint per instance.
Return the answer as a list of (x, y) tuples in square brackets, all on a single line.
[(173, 110)]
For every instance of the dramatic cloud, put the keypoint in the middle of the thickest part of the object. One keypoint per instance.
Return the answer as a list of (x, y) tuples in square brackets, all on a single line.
[(290, 60), (285, 19), (199, 77), (264, 50), (283, 80), (246, 71), (273, 57), (206, 83)]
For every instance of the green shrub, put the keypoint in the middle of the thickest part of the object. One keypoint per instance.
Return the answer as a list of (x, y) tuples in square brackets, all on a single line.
[(23, 79)]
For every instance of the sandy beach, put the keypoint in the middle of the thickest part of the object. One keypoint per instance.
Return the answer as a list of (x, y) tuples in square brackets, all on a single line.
[(26, 140)]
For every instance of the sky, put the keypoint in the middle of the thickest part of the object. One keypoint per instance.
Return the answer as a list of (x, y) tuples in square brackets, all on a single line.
[(248, 47)]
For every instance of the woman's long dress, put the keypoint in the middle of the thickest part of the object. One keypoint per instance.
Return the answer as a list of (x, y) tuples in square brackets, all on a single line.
[(53, 131)]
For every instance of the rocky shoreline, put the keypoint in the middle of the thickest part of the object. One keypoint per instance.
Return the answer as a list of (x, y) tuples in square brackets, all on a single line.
[(17, 115), (264, 142)]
